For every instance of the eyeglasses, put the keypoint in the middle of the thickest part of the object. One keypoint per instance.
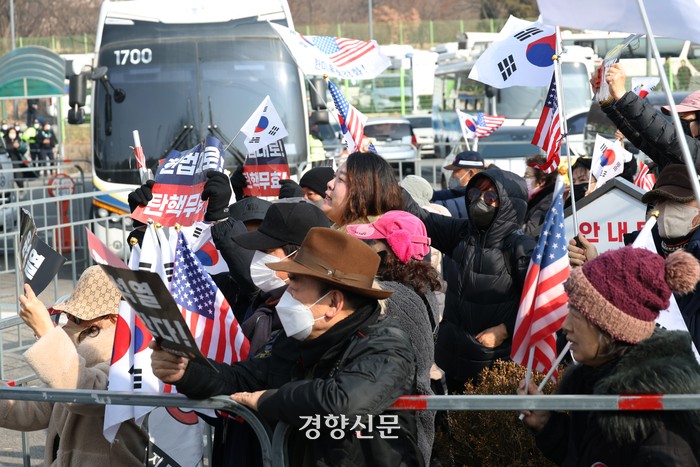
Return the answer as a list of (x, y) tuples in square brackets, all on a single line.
[(489, 197)]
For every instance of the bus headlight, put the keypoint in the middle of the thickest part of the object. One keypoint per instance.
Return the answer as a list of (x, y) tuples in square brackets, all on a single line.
[(102, 213)]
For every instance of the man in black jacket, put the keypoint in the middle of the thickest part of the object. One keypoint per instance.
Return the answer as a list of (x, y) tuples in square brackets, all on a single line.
[(492, 254), (336, 369)]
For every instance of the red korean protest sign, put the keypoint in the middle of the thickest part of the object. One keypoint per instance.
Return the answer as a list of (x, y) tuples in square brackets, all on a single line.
[(179, 182), (264, 169)]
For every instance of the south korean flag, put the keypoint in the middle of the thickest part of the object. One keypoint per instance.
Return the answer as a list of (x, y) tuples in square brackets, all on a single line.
[(264, 127), (523, 55)]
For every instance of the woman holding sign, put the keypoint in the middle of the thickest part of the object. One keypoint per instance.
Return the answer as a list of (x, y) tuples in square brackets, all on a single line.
[(75, 356)]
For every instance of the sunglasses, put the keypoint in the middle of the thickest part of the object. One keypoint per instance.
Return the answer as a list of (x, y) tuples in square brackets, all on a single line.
[(489, 197)]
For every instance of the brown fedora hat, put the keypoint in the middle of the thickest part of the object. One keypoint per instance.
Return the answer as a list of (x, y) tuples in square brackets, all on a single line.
[(338, 259)]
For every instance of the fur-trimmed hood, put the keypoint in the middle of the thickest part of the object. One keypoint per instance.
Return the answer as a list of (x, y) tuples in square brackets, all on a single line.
[(661, 364)]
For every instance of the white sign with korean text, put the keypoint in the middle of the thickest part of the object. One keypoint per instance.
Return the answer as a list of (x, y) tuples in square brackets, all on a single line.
[(606, 215)]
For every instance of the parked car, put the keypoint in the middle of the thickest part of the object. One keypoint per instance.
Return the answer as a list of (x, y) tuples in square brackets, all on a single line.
[(394, 140), (507, 148), (425, 135)]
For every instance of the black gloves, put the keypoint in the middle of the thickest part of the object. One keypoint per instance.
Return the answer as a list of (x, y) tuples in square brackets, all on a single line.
[(238, 182), (290, 189), (141, 196), (218, 191)]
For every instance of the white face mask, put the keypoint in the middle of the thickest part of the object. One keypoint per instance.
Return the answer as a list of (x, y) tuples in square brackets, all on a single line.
[(676, 220), (531, 187), (297, 319), (263, 277)]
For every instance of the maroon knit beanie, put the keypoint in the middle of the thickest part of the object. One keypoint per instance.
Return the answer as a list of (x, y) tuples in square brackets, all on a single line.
[(622, 291)]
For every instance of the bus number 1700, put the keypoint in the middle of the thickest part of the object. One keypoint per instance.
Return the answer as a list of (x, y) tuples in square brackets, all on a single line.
[(133, 56)]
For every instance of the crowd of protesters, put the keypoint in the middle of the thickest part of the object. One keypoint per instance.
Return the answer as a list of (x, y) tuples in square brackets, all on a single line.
[(354, 288)]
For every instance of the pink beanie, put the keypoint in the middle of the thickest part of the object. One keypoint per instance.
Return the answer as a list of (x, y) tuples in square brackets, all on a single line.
[(404, 232), (622, 291)]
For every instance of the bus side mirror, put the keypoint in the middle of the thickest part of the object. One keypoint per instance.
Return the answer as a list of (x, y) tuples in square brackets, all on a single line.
[(77, 92), (317, 93)]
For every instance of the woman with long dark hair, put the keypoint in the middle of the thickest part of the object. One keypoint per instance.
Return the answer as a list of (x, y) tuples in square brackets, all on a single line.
[(364, 188)]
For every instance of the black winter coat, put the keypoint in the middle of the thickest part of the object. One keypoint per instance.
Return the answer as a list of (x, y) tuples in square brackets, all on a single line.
[(358, 367), (662, 364), (650, 131), (492, 267)]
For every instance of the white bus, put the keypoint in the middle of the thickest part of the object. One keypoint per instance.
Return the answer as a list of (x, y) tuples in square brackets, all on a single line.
[(179, 71)]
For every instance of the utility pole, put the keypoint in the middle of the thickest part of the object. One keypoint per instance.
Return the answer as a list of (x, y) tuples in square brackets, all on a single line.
[(12, 22), (371, 33)]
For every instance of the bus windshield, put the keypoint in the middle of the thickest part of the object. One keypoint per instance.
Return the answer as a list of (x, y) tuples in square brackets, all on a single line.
[(178, 88)]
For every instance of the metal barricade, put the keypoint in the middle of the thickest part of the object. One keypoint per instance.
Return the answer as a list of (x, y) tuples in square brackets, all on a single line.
[(81, 396), (645, 402)]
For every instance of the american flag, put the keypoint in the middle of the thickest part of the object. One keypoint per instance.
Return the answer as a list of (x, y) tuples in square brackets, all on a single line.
[(543, 304), (342, 51), (352, 121), (205, 309), (548, 131), (644, 179), (487, 124)]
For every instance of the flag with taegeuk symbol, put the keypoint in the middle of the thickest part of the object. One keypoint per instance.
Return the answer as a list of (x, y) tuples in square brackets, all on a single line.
[(205, 309), (543, 303), (263, 127), (548, 132), (522, 55)]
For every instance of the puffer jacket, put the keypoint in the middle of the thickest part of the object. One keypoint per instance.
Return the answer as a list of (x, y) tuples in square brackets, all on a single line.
[(661, 364), (649, 130), (492, 265), (359, 367)]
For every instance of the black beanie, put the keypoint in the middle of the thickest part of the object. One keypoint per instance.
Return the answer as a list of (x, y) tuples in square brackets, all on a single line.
[(317, 179)]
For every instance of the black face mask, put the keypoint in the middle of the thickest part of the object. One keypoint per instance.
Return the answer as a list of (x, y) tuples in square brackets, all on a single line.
[(580, 191), (686, 127), (481, 214)]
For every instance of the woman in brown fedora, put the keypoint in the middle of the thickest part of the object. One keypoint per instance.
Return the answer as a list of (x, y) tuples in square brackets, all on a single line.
[(75, 356)]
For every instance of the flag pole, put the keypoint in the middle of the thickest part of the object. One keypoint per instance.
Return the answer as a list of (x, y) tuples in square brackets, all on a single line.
[(549, 374), (690, 166), (476, 143), (528, 370), (562, 122)]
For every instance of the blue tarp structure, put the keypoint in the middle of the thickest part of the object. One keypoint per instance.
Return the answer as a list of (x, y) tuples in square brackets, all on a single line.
[(31, 72)]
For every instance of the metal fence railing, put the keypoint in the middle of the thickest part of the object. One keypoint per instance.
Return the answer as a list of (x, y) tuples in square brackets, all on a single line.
[(274, 444)]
